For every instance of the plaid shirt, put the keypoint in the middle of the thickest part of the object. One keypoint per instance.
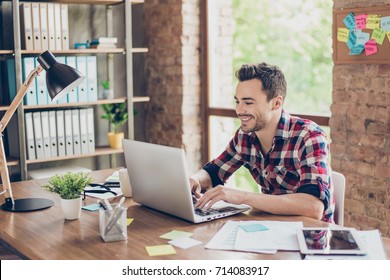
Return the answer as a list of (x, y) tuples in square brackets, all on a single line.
[(296, 163)]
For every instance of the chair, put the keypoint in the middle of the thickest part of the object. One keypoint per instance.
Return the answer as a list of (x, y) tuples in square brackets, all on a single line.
[(339, 193)]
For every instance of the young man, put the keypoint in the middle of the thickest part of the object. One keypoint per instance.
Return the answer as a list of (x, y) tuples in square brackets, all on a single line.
[(287, 156)]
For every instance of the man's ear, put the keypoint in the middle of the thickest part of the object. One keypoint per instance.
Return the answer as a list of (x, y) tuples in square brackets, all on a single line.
[(278, 102)]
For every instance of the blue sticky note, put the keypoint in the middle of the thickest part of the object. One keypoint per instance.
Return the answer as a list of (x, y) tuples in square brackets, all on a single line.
[(91, 207), (253, 227), (351, 39), (349, 21), (355, 50)]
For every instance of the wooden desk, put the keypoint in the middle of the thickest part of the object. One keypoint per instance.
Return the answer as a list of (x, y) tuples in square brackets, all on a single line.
[(47, 235)]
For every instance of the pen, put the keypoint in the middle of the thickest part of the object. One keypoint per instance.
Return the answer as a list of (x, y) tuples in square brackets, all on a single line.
[(108, 205)]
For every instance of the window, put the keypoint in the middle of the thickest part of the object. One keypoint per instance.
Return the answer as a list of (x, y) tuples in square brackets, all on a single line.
[(295, 35)]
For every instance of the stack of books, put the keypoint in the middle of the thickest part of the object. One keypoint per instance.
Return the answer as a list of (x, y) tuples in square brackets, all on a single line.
[(103, 43)]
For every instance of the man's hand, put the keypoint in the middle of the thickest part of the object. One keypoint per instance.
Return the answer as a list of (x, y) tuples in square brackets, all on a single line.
[(220, 193), (195, 187)]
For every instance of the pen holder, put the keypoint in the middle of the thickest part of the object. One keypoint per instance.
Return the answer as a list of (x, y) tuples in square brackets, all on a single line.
[(112, 223)]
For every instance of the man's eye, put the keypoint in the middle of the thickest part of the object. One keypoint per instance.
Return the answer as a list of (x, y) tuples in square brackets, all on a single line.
[(248, 103)]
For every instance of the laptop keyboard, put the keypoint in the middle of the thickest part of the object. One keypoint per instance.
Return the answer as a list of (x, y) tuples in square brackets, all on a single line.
[(211, 211)]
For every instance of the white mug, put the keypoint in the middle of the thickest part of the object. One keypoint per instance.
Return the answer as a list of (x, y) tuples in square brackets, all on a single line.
[(124, 183)]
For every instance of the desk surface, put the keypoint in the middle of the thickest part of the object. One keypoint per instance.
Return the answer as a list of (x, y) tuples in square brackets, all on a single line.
[(47, 235)]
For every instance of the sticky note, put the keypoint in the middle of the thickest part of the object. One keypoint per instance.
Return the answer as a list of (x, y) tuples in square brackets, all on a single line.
[(378, 35), (253, 227), (160, 250), (174, 234), (385, 23), (372, 21), (360, 21), (129, 221), (388, 35), (355, 50), (91, 207), (362, 37), (351, 39), (349, 21), (342, 34), (185, 242), (371, 47)]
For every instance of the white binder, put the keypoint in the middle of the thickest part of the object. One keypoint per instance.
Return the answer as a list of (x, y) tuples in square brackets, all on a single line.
[(81, 62), (30, 136), (53, 133), (90, 130), (68, 132), (44, 31), (73, 95), (28, 64), (57, 24), (84, 131), (42, 94), (76, 132), (26, 26), (92, 78), (51, 27), (36, 26), (60, 133), (46, 134), (64, 27), (38, 134)]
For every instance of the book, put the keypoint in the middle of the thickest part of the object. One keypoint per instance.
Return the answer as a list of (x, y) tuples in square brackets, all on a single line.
[(111, 40)]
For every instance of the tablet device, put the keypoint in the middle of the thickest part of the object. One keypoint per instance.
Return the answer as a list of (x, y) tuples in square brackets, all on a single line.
[(329, 241)]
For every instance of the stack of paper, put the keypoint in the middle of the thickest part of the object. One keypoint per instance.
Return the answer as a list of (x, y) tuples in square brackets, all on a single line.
[(256, 236)]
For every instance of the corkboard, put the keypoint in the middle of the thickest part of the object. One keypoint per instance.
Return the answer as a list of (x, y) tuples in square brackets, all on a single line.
[(341, 50)]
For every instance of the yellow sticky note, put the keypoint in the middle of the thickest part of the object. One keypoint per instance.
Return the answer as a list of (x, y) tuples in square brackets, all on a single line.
[(129, 221), (160, 250), (175, 234), (373, 21), (388, 35), (379, 35), (342, 34)]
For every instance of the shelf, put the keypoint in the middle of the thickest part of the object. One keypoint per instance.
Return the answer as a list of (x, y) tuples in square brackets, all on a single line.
[(137, 99), (12, 162), (100, 151), (4, 108), (6, 51)]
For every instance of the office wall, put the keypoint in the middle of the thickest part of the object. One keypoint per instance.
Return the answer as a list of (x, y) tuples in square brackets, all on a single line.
[(173, 75), (360, 132)]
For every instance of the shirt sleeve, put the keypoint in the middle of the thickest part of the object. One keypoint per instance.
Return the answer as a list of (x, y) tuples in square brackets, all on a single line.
[(223, 166), (314, 167)]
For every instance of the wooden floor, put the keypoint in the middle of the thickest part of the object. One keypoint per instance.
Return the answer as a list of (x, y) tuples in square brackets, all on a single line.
[(7, 253)]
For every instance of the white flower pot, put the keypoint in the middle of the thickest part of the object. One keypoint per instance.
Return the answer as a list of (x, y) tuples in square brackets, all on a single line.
[(71, 208)]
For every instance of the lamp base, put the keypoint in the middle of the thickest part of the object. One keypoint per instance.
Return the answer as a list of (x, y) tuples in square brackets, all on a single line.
[(27, 205)]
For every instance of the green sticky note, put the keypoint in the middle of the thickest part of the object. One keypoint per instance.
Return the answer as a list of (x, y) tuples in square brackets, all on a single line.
[(253, 227), (91, 207), (175, 234), (160, 250), (379, 35)]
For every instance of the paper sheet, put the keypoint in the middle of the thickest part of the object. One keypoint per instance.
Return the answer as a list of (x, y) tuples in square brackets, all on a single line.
[(279, 236), (175, 234), (225, 238), (185, 242)]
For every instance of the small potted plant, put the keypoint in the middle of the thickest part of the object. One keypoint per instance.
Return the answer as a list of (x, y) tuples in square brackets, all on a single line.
[(69, 187), (117, 115), (107, 92)]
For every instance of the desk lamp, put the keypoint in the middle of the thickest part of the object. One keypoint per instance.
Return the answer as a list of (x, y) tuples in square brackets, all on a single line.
[(60, 79)]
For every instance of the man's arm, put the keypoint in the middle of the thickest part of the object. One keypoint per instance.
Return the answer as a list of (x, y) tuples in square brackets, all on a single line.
[(287, 204)]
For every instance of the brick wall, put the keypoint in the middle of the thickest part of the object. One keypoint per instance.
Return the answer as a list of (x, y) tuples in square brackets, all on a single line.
[(360, 132), (173, 75)]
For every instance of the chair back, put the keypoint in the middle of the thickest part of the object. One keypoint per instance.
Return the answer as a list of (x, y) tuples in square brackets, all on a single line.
[(339, 194)]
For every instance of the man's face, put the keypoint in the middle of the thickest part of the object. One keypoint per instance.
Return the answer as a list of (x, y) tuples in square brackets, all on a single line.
[(252, 107)]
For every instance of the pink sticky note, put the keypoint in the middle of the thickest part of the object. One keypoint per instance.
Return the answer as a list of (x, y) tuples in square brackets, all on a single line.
[(371, 47), (361, 21)]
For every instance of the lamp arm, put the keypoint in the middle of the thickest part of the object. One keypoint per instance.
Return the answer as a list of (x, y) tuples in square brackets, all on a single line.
[(18, 98)]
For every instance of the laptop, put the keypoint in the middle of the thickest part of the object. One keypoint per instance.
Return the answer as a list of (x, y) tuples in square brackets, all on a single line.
[(159, 180)]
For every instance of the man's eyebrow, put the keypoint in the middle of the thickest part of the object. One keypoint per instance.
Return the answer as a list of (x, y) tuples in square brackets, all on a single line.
[(245, 98)]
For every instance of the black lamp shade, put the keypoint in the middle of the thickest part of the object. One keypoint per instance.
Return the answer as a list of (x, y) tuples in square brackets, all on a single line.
[(60, 78)]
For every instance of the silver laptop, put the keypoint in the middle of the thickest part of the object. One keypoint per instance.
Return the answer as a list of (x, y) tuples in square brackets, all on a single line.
[(159, 180)]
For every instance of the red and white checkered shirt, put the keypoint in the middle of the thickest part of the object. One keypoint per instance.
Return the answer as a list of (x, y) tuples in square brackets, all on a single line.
[(296, 163)]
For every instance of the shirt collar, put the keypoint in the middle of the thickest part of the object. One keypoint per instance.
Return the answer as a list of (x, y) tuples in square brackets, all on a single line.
[(283, 128)]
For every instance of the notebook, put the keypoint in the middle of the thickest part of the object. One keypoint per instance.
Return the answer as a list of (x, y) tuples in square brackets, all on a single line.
[(159, 180)]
